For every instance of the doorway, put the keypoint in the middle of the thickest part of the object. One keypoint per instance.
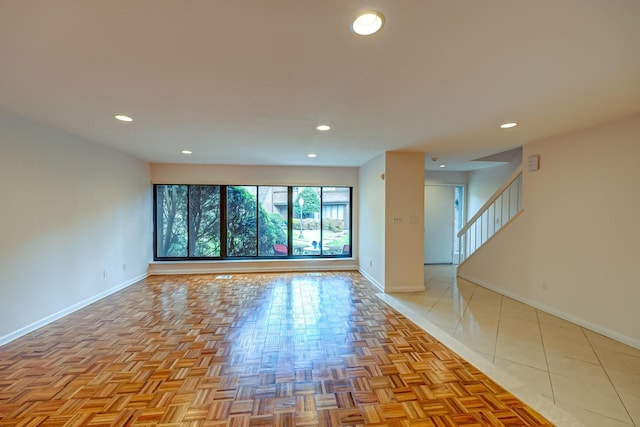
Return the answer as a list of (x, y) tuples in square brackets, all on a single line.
[(443, 218)]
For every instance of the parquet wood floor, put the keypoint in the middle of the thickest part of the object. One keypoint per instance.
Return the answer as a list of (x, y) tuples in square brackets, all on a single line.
[(255, 350)]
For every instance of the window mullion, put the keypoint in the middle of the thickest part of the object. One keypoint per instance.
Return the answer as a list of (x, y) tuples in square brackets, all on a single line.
[(290, 220), (320, 215), (189, 255), (223, 221), (257, 221), (155, 221)]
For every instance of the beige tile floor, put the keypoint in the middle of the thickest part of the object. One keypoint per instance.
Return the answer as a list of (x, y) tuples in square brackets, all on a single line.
[(553, 365)]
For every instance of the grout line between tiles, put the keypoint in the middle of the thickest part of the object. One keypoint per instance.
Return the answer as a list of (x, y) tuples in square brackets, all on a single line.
[(608, 376), (495, 345), (512, 382), (466, 307), (546, 359)]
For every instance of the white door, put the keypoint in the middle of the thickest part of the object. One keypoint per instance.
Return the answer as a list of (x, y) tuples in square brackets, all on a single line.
[(438, 224)]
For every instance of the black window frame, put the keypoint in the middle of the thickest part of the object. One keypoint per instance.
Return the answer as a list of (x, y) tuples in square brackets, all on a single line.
[(222, 209)]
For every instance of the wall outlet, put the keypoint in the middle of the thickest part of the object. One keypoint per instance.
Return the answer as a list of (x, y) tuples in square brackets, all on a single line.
[(124, 267), (545, 284), (105, 274), (370, 262)]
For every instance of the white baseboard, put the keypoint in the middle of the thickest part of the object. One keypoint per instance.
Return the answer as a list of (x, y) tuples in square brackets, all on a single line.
[(381, 286), (407, 289), (544, 405), (551, 310), (55, 316), (373, 281)]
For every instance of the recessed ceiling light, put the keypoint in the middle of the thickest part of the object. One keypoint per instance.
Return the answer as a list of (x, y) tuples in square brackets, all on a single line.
[(367, 23), (508, 125), (312, 155), (443, 166), (323, 127), (123, 118), (187, 152)]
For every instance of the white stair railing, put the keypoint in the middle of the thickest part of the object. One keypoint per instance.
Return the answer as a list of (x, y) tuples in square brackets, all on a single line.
[(501, 208)]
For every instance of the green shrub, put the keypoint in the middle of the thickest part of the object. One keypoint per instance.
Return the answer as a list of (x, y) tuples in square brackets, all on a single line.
[(335, 225), (307, 224)]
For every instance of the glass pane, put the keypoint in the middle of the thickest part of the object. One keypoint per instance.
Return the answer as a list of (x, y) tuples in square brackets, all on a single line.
[(242, 221), (171, 220), (272, 221), (307, 235), (458, 215), (336, 235), (204, 221)]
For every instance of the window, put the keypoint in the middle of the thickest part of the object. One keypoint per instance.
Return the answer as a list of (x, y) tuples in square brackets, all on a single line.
[(171, 221), (227, 222), (307, 234), (204, 221), (273, 205), (458, 219), (336, 220), (242, 221)]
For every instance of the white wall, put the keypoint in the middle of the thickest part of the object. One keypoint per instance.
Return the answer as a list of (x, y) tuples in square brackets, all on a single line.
[(70, 210), (404, 217), (372, 221), (391, 221), (163, 173), (574, 249), (445, 178), (482, 183)]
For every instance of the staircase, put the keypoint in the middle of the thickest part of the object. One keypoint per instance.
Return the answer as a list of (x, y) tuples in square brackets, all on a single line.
[(498, 211)]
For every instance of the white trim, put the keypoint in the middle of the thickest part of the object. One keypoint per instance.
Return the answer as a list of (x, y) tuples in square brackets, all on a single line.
[(407, 289), (551, 310), (252, 266), (382, 288), (493, 198), (373, 281), (75, 307), (274, 269)]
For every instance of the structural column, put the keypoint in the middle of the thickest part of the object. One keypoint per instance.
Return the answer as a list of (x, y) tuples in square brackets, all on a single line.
[(404, 221)]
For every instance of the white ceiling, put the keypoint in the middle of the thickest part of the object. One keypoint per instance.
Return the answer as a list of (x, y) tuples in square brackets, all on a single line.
[(247, 81)]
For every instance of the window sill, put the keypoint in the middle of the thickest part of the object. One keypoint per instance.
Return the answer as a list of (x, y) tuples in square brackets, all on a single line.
[(252, 265)]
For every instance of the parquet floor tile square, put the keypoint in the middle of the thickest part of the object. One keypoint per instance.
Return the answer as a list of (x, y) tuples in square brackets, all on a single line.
[(253, 350)]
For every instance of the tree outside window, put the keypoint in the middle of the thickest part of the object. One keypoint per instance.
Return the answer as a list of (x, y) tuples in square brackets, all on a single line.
[(188, 221)]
